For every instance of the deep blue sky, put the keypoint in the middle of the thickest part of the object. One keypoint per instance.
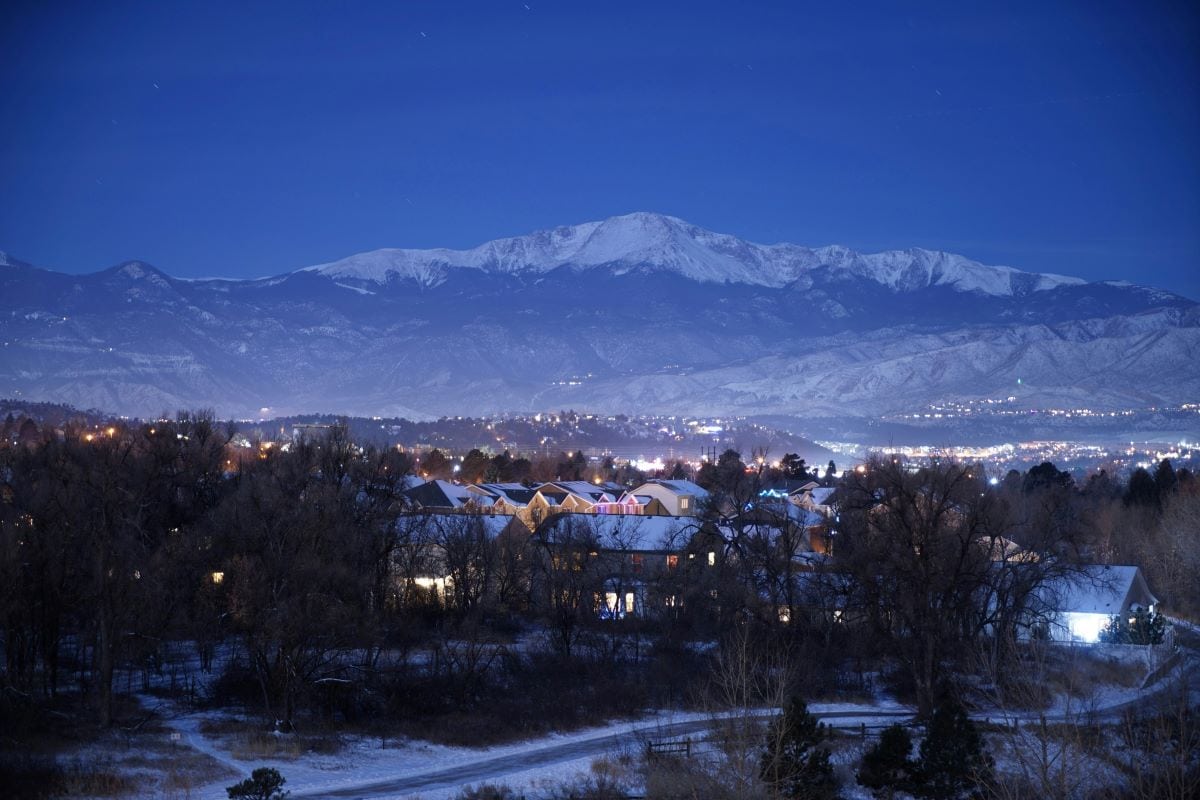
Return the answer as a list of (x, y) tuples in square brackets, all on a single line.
[(247, 139)]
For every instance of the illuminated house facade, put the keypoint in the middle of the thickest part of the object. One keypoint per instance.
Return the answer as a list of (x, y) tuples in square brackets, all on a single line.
[(1077, 608)]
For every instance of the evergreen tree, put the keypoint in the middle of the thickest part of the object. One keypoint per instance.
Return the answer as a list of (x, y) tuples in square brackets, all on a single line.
[(435, 465), (474, 465), (1046, 476), (1142, 489), (794, 764), (888, 767), (794, 467), (952, 761), (264, 783), (1164, 478), (1142, 628)]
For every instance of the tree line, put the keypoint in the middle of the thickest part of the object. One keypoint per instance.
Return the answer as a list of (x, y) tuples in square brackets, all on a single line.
[(115, 540)]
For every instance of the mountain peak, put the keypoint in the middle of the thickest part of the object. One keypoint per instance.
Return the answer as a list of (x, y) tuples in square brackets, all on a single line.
[(648, 240)]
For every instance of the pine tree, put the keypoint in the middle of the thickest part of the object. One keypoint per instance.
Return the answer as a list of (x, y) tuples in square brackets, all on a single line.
[(888, 767), (952, 762), (264, 783), (794, 764)]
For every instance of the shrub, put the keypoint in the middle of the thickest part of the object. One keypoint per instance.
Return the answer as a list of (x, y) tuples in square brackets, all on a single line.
[(1143, 628), (952, 762), (794, 764), (888, 767), (264, 783), (487, 791)]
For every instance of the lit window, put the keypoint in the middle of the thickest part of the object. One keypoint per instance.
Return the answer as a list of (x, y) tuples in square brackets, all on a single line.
[(672, 562), (610, 602), (712, 558), (217, 577)]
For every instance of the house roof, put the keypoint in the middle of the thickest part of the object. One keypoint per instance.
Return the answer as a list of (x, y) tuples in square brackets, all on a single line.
[(593, 493), (786, 486), (513, 493), (821, 496), (630, 532), (490, 524), (781, 510), (1098, 589), (443, 494), (683, 487)]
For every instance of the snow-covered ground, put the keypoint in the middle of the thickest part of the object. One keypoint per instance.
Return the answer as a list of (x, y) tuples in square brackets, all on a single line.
[(196, 754), (530, 766)]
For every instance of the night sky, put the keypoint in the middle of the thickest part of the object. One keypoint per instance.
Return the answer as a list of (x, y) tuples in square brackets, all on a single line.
[(246, 139)]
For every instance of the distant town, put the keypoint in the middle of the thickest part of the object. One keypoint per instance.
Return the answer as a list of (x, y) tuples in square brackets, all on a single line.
[(653, 443)]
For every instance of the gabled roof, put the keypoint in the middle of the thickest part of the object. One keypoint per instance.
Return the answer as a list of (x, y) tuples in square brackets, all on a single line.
[(1098, 589), (782, 510), (631, 533), (491, 525), (591, 492), (551, 497), (682, 487), (513, 493), (443, 494), (821, 495), (786, 486)]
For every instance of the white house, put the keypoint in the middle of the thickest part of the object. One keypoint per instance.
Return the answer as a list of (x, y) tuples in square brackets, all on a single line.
[(678, 498), (1078, 607)]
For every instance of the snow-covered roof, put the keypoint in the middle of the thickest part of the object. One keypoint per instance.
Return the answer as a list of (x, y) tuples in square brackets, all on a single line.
[(1098, 589), (444, 494), (632, 532), (821, 496), (513, 493), (683, 487), (434, 524), (588, 491), (490, 524), (798, 514)]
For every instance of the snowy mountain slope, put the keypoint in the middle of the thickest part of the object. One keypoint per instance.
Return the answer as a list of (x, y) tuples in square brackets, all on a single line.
[(635, 314), (644, 240)]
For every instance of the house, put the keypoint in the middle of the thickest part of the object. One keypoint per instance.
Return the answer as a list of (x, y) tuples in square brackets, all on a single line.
[(784, 521), (678, 498), (584, 496), (630, 503), (451, 557), (612, 559), (1079, 606), (447, 496), (787, 487), (815, 498), (509, 499)]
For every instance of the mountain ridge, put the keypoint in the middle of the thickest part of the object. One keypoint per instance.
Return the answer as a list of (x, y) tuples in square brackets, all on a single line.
[(645, 239), (652, 331)]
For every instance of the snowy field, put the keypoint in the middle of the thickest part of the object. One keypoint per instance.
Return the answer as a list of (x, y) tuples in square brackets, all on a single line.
[(184, 753)]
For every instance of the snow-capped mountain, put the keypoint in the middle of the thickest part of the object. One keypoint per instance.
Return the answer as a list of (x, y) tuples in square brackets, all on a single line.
[(639, 313), (656, 241)]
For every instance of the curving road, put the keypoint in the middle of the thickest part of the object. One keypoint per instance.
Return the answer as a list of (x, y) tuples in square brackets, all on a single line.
[(496, 767)]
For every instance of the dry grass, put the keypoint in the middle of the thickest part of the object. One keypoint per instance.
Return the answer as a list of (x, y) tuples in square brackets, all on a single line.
[(259, 745)]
